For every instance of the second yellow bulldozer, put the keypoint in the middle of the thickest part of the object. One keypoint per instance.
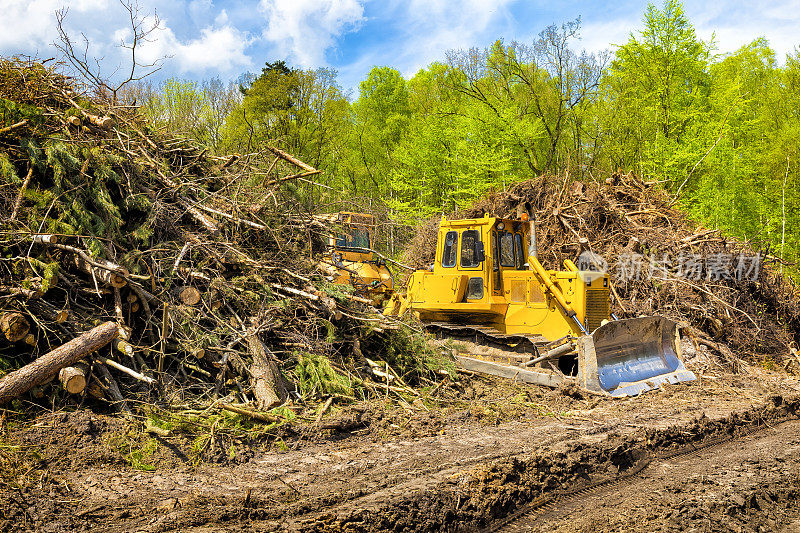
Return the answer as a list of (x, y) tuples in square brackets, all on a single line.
[(487, 286), (350, 257)]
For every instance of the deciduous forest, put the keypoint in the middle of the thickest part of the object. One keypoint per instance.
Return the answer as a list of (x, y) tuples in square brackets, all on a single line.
[(719, 131)]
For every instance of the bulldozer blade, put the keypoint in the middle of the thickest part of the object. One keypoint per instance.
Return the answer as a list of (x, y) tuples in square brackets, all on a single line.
[(628, 357)]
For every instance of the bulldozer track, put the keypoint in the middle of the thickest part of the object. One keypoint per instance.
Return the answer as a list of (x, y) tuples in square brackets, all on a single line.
[(546, 504), (488, 336), (395, 481)]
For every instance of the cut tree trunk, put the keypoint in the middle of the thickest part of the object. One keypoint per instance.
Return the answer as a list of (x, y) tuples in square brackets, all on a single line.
[(108, 383), (44, 368), (95, 390), (124, 347), (111, 274), (73, 378), (15, 326), (269, 385), (189, 295), (104, 122)]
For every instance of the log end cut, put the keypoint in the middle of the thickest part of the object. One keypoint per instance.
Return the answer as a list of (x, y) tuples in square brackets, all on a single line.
[(73, 379), (15, 326)]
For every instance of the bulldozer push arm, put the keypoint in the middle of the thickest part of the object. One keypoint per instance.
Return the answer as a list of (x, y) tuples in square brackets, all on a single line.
[(537, 267), (488, 285)]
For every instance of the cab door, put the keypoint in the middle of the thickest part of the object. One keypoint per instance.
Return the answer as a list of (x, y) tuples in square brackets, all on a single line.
[(472, 260)]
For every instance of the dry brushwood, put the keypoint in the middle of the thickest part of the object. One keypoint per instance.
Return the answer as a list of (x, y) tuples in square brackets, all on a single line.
[(114, 220)]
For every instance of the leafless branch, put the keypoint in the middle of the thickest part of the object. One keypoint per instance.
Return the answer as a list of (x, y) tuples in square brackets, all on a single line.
[(142, 27)]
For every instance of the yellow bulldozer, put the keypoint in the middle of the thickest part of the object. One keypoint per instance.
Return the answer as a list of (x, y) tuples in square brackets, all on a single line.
[(488, 287), (350, 257)]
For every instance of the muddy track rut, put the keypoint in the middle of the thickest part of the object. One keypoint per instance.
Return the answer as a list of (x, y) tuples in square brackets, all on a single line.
[(709, 463), (461, 477)]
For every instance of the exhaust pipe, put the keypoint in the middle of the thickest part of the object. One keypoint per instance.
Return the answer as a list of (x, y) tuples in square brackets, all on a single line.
[(532, 250)]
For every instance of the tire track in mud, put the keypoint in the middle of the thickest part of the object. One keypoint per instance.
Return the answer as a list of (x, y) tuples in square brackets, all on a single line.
[(300, 514), (556, 506), (492, 495), (396, 483)]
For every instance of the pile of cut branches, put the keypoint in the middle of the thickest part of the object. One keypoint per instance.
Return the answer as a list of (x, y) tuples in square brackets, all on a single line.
[(662, 263), (202, 265)]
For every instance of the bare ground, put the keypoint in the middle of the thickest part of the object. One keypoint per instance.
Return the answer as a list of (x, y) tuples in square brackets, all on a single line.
[(462, 466), (748, 484)]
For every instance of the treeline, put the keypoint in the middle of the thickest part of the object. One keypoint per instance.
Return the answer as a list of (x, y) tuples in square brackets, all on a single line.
[(721, 132)]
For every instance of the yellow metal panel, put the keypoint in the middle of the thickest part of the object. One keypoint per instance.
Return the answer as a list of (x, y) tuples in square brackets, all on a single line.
[(535, 295), (517, 292)]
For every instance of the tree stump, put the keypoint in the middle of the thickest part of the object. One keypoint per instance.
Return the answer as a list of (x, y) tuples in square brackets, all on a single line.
[(269, 385)]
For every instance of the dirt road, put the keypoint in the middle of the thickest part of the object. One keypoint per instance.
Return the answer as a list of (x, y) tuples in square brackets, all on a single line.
[(451, 469)]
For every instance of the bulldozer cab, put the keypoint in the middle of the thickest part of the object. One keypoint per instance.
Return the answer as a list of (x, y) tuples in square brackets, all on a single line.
[(354, 239), (483, 275)]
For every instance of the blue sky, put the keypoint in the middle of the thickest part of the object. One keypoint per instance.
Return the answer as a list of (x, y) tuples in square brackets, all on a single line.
[(224, 38)]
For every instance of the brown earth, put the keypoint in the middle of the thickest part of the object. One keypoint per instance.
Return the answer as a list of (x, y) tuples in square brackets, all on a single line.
[(462, 465), (749, 484)]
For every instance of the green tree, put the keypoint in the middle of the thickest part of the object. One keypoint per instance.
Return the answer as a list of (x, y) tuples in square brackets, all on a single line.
[(538, 92), (657, 88), (300, 111), (186, 107), (454, 148), (379, 120)]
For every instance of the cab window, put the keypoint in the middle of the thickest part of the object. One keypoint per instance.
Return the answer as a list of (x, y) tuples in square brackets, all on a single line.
[(450, 247), (353, 238), (520, 250), (360, 238), (507, 249), (469, 248)]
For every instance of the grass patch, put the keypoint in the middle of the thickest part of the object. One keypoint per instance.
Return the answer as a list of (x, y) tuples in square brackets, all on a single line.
[(136, 448), (20, 466), (218, 435)]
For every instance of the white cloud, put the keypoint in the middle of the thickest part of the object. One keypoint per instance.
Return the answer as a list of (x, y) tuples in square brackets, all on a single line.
[(27, 26), (200, 7), (219, 48), (599, 36), (432, 27), (303, 30), (734, 26)]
